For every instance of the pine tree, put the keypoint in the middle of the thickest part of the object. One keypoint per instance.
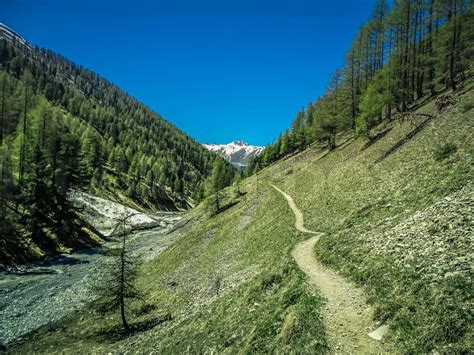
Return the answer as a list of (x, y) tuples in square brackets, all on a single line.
[(27, 79), (7, 190), (376, 101)]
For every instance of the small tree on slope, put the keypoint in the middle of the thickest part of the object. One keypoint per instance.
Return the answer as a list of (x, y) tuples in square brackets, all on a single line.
[(118, 285)]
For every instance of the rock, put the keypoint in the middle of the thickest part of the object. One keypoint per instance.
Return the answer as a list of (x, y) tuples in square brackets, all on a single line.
[(379, 333)]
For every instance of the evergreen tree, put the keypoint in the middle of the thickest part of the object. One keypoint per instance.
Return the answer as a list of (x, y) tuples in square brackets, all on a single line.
[(376, 101), (416, 48), (117, 282), (218, 180)]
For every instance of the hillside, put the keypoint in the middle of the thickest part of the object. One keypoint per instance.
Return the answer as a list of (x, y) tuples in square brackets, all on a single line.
[(351, 233), (397, 220), (405, 54), (64, 127)]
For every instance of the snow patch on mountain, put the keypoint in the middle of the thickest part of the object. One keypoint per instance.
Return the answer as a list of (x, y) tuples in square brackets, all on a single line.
[(237, 153)]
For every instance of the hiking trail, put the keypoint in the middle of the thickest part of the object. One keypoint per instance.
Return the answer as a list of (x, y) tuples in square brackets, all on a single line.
[(347, 317)]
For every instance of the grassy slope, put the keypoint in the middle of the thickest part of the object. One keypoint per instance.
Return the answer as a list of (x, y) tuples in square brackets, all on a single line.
[(364, 207), (230, 283)]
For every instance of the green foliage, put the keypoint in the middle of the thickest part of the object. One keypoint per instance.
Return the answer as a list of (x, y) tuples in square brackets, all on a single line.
[(40, 163), (400, 55), (65, 128), (118, 135), (445, 150), (221, 176), (116, 283), (374, 102)]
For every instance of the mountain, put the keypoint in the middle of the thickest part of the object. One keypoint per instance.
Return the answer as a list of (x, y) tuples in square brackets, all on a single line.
[(62, 127), (352, 232), (397, 224), (238, 153)]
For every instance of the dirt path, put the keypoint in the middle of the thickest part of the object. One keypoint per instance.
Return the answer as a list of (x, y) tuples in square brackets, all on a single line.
[(347, 317)]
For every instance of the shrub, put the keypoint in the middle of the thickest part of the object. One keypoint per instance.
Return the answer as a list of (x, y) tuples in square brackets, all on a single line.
[(445, 151), (468, 106)]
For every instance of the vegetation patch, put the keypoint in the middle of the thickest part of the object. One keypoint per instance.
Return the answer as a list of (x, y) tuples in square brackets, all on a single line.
[(445, 150), (402, 227)]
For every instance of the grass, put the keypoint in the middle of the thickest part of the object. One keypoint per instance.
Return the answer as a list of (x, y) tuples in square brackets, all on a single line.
[(229, 283), (356, 201), (445, 150)]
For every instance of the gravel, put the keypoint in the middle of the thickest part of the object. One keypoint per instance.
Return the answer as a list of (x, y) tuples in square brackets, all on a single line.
[(437, 242), (35, 294)]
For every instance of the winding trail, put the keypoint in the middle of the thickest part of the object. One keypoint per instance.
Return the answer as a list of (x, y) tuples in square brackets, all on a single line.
[(347, 317)]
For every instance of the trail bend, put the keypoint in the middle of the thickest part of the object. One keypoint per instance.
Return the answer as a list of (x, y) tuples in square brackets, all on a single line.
[(347, 316)]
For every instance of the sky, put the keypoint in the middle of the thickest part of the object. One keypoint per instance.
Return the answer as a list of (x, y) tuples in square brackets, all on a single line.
[(219, 70)]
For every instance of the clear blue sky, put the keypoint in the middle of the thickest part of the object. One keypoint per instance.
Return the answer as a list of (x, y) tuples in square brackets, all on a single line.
[(219, 70)]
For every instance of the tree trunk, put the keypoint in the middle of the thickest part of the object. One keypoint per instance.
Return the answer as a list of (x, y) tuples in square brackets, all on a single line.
[(389, 79), (405, 61), (2, 201), (452, 52), (23, 143), (353, 100), (2, 118), (126, 327), (414, 68), (332, 140), (429, 51)]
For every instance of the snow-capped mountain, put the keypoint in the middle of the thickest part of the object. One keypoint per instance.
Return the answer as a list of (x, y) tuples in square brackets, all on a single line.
[(237, 153)]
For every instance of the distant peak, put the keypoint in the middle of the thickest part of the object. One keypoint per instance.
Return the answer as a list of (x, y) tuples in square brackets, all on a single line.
[(242, 143), (236, 152)]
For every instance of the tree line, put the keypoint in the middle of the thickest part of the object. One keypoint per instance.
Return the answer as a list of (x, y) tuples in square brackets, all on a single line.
[(64, 127), (414, 50)]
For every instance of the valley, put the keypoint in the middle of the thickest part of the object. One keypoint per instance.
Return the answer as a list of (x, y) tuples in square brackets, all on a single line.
[(43, 292), (348, 229), (233, 283)]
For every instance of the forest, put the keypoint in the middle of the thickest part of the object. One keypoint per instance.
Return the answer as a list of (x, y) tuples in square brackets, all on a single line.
[(351, 233), (401, 56), (62, 127)]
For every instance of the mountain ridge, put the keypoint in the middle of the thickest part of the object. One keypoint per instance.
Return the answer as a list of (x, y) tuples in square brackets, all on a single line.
[(238, 153)]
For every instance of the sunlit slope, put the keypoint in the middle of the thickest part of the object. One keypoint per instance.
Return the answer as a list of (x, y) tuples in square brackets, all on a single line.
[(400, 226), (229, 283)]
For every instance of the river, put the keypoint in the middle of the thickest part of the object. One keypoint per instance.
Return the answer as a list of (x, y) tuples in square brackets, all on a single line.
[(36, 294)]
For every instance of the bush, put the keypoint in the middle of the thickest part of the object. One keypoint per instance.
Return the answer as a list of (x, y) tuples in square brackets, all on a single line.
[(445, 151), (468, 106)]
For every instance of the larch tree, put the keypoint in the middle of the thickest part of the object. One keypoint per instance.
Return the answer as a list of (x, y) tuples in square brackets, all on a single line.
[(117, 283)]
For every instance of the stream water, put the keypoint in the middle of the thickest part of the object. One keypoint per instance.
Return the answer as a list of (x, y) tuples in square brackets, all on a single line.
[(36, 294)]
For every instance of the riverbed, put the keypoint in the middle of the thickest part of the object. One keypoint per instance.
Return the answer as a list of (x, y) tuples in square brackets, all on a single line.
[(36, 294)]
